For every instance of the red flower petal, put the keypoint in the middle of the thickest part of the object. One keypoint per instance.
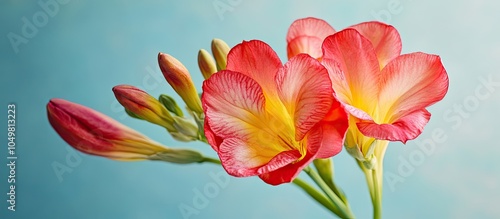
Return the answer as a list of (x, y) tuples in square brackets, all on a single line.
[(305, 44), (406, 128), (287, 173), (384, 38), (242, 158), (256, 60), (306, 91), (306, 35), (309, 26), (234, 105), (333, 128), (411, 82), (353, 67)]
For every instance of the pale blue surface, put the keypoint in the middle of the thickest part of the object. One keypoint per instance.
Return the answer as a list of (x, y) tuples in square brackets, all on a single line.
[(90, 46)]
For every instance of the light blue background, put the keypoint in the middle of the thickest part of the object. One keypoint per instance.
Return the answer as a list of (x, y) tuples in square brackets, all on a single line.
[(90, 46)]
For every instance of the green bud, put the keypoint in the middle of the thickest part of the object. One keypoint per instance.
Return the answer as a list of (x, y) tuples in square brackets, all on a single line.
[(170, 104)]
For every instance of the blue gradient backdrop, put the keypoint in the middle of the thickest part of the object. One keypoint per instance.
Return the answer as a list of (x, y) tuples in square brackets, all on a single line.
[(87, 47)]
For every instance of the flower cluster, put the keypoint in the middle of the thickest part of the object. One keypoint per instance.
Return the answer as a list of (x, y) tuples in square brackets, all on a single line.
[(351, 88)]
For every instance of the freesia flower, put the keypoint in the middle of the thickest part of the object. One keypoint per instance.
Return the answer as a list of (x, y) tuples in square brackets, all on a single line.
[(268, 119), (385, 93), (94, 133)]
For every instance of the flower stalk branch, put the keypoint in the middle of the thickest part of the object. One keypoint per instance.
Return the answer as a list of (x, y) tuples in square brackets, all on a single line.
[(345, 211), (374, 182), (316, 195), (325, 171)]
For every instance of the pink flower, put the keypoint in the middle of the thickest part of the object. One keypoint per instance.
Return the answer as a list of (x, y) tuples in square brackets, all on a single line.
[(385, 93), (268, 119)]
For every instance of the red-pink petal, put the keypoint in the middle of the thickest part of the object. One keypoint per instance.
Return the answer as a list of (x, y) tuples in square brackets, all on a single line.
[(309, 26), (237, 126), (406, 128), (305, 44), (289, 172), (333, 129), (213, 140), (411, 82), (233, 105), (306, 35), (384, 38), (352, 61), (240, 158), (256, 60), (306, 91)]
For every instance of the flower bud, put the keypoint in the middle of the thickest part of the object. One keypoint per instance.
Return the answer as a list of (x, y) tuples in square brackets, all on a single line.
[(220, 49), (143, 105), (94, 133), (178, 77), (206, 63)]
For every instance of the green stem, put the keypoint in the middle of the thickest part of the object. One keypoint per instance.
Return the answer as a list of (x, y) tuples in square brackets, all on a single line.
[(210, 160), (377, 199), (203, 139), (311, 191), (325, 170), (316, 195), (338, 192), (345, 212), (368, 177), (373, 179)]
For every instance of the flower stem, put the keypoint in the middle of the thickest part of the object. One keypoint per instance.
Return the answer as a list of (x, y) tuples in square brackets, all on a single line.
[(210, 160), (316, 195), (368, 176), (377, 193), (345, 212), (337, 191), (325, 170), (374, 181)]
